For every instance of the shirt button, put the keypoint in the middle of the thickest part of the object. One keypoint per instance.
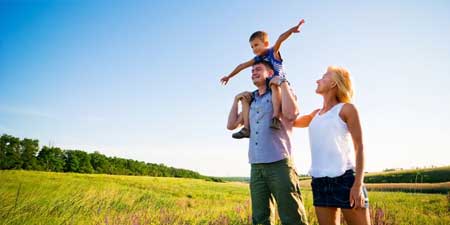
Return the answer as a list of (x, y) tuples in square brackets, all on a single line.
[(257, 122), (256, 143), (256, 132)]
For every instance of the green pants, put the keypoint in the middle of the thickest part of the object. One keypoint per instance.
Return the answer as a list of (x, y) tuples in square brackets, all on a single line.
[(278, 182)]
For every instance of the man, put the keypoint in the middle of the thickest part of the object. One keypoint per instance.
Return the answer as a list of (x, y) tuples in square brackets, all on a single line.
[(273, 176)]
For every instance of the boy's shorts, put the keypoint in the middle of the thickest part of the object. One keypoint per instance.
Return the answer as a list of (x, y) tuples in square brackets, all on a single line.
[(270, 78)]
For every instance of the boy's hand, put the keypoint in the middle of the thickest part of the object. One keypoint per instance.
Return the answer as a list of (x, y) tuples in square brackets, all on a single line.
[(296, 29), (224, 80)]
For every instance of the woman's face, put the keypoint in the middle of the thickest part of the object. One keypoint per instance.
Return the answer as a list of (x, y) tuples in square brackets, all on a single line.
[(325, 84)]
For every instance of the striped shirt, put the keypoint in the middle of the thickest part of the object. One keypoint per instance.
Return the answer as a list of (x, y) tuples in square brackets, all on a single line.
[(269, 56)]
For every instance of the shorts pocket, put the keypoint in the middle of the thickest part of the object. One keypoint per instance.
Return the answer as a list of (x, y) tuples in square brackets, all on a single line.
[(341, 191)]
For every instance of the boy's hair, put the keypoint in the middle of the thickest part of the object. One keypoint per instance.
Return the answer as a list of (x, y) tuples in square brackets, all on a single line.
[(266, 64), (261, 35)]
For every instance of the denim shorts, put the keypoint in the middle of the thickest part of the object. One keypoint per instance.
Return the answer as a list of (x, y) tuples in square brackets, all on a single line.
[(335, 191)]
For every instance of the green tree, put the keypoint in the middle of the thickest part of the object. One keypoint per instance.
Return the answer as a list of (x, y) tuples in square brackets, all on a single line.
[(100, 163), (51, 159), (77, 161), (21, 154), (10, 152), (120, 166), (29, 149)]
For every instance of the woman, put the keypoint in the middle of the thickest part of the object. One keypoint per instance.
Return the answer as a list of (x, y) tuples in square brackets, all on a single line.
[(337, 165)]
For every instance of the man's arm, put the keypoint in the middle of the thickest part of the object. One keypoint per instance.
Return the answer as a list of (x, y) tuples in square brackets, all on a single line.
[(236, 119), (224, 80), (284, 36)]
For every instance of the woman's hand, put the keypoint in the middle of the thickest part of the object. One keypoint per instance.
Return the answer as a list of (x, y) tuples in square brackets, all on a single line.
[(357, 199)]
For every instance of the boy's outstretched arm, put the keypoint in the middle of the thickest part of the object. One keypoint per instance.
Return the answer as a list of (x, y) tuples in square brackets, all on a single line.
[(284, 36), (224, 80)]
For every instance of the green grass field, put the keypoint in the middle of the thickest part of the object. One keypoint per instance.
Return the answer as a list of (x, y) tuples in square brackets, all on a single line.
[(28, 197)]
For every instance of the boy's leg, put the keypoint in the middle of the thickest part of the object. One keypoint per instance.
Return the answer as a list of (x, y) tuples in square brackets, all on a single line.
[(276, 103), (246, 112), (284, 185), (245, 131), (262, 200)]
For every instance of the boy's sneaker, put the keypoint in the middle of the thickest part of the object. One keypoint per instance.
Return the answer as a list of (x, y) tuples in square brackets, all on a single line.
[(276, 123), (243, 133)]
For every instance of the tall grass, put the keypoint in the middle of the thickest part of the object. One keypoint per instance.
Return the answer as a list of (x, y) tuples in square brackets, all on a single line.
[(54, 198)]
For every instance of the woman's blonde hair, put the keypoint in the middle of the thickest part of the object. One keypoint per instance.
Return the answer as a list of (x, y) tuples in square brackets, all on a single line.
[(341, 77)]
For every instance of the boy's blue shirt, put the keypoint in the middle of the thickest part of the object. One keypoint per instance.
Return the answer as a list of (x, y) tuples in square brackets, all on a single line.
[(277, 64)]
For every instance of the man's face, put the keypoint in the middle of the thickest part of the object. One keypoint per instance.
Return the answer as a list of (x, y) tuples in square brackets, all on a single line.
[(259, 74)]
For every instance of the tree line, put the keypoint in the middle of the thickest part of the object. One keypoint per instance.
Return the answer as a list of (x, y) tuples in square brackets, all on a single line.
[(16, 153)]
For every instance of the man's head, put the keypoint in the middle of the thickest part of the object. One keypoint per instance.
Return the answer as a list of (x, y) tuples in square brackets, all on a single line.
[(260, 72), (259, 42)]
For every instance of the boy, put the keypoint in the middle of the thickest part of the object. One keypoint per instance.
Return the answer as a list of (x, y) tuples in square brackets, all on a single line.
[(259, 42)]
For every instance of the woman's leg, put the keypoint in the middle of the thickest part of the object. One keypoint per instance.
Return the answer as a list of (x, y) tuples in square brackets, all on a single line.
[(359, 216), (328, 215)]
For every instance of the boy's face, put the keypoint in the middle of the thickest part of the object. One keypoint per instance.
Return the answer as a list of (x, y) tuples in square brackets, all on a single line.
[(258, 46)]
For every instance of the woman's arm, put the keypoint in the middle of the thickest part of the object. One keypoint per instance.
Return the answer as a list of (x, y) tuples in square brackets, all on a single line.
[(350, 116), (305, 120)]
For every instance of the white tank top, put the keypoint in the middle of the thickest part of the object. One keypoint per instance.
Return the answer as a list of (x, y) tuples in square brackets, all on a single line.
[(332, 150)]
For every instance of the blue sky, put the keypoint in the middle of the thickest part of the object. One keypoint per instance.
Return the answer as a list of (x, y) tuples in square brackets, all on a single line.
[(140, 79)]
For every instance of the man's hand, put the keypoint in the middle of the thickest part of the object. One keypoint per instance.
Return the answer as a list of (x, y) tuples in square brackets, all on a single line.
[(224, 80), (296, 29), (274, 81), (244, 96)]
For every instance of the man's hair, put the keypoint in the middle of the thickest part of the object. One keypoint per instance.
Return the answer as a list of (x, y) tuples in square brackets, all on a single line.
[(266, 64), (261, 35)]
